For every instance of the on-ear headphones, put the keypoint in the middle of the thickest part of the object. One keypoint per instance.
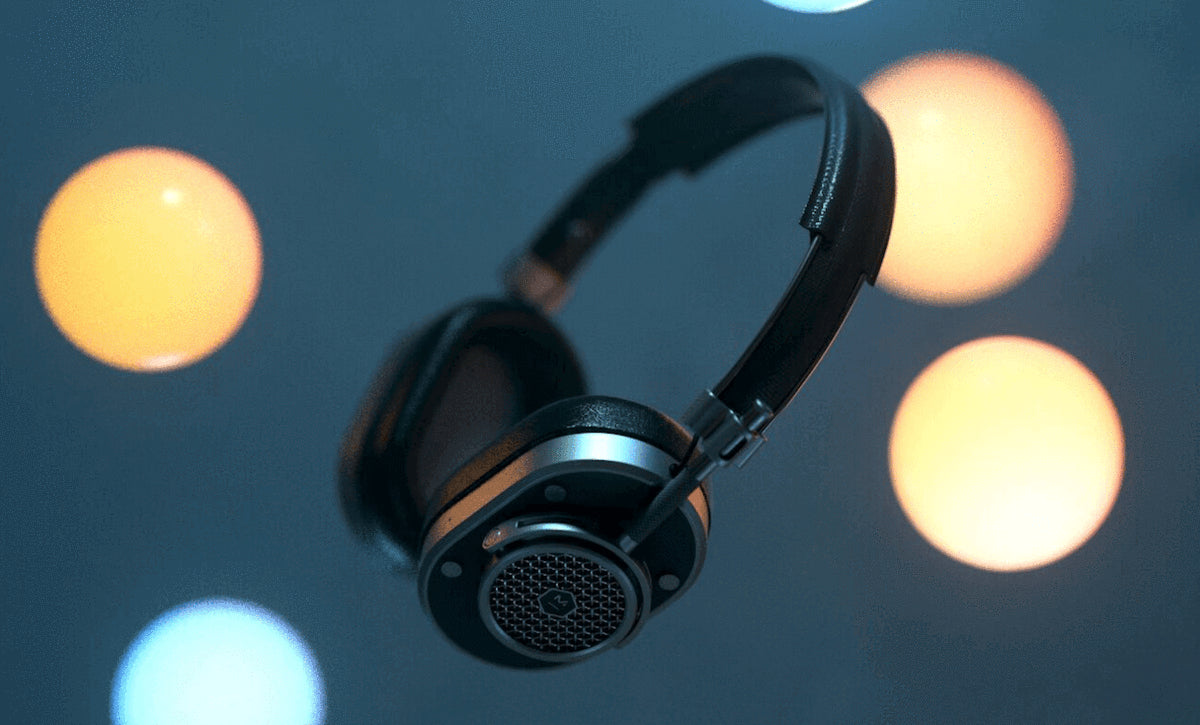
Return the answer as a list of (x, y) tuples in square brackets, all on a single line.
[(547, 525)]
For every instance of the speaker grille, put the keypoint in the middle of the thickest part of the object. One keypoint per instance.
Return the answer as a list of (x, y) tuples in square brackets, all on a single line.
[(558, 603)]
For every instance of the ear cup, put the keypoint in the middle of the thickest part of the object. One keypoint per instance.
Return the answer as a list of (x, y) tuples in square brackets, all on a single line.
[(446, 390), (583, 414), (520, 564)]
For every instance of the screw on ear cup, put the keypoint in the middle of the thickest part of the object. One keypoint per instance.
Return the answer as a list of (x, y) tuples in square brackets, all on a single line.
[(445, 391)]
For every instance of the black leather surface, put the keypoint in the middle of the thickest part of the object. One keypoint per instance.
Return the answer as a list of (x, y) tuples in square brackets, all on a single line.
[(385, 474), (849, 210), (584, 414)]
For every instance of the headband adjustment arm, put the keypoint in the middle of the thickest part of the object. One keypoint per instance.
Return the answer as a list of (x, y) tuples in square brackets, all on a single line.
[(720, 437), (725, 436), (582, 221), (530, 279)]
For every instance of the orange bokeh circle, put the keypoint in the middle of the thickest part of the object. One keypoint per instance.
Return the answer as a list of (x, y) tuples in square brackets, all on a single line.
[(148, 259), (1006, 453), (984, 176)]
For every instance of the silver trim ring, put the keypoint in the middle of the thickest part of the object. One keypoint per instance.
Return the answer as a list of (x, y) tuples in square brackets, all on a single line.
[(554, 457)]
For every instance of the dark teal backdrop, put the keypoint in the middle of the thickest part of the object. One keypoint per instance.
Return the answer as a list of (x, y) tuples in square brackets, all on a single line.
[(395, 153)]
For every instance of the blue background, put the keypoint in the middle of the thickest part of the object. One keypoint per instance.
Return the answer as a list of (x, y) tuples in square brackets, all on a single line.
[(395, 154)]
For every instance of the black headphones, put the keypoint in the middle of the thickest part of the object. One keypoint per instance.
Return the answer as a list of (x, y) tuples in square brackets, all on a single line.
[(547, 525)]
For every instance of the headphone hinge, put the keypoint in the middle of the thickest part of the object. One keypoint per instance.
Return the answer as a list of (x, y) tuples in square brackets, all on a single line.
[(724, 437), (530, 279)]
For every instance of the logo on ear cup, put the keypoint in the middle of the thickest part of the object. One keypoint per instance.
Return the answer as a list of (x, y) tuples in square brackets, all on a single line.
[(557, 603)]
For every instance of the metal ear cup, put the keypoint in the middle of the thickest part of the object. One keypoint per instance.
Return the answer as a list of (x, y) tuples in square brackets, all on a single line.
[(521, 565), (557, 593)]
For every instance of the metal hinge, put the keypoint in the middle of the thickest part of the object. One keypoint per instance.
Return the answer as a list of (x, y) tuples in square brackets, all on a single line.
[(725, 437)]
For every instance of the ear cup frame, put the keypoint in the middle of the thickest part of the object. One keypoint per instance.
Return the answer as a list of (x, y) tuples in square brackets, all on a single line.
[(570, 474)]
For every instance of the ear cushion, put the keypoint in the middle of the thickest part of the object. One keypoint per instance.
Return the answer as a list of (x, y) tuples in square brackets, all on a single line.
[(584, 414), (444, 393)]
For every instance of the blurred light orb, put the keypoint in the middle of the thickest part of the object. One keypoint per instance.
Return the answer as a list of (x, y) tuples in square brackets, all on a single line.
[(148, 259), (218, 662), (1006, 453), (817, 6), (984, 177)]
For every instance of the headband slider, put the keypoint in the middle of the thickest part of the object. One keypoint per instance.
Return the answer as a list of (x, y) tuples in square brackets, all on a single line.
[(536, 283), (725, 437)]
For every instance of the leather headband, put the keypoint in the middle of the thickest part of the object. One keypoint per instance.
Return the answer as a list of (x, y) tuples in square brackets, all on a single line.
[(849, 211)]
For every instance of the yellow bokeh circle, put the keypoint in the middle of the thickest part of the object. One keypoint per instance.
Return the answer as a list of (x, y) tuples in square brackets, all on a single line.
[(148, 259), (1006, 453), (984, 176)]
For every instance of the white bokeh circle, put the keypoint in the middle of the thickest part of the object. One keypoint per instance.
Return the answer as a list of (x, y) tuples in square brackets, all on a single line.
[(218, 661), (817, 6)]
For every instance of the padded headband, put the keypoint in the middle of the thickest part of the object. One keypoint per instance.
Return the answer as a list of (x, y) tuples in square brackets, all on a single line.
[(849, 212)]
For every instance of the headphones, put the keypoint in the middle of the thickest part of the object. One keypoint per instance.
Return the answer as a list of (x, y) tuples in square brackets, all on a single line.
[(546, 525)]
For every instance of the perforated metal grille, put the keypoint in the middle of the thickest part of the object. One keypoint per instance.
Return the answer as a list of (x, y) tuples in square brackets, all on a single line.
[(527, 587)]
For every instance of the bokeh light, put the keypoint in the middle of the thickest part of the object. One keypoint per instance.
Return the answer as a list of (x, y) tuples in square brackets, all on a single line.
[(218, 662), (1006, 453), (148, 259), (817, 6), (984, 176)]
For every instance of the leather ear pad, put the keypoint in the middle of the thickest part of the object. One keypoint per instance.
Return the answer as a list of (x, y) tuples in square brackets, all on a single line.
[(445, 392), (584, 414)]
